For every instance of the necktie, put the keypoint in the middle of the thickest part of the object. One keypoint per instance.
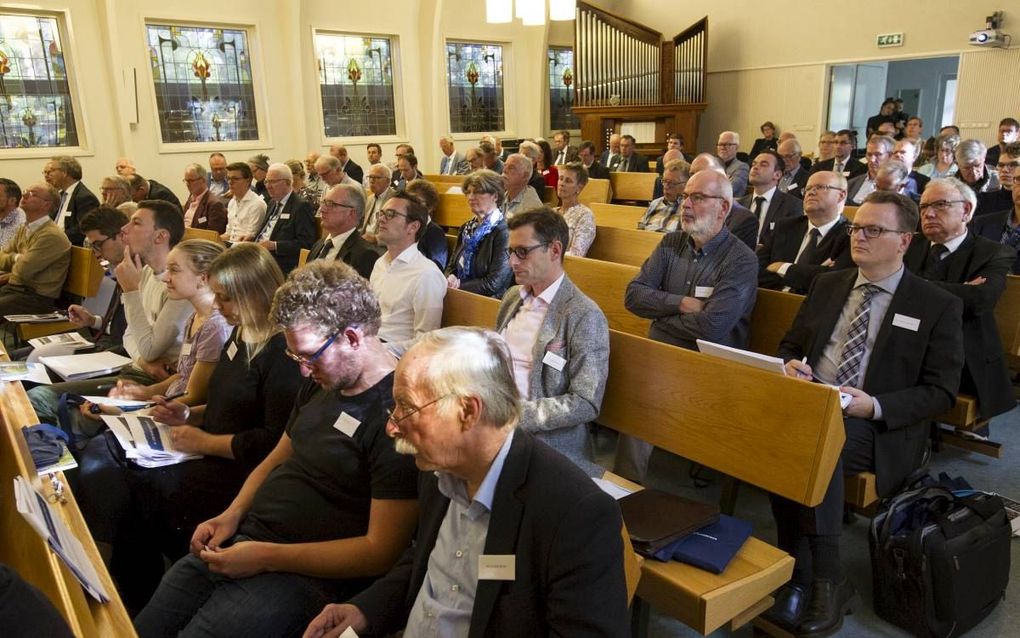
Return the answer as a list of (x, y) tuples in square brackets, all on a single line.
[(561, 158), (326, 247), (808, 252), (267, 230), (63, 201), (837, 166), (756, 206), (446, 166), (849, 368), (935, 265), (621, 167)]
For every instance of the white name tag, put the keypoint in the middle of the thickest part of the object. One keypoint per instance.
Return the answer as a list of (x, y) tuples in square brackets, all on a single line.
[(554, 360), (772, 225), (702, 292), (232, 351), (202, 220), (846, 173), (903, 321), (497, 567), (349, 633), (186, 349), (285, 216), (347, 424)]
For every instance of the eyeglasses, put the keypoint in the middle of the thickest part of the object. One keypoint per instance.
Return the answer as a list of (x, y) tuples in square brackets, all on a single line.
[(941, 205), (874, 232), (1008, 166), (725, 144), (673, 183), (383, 177), (522, 252), (97, 246), (237, 179), (697, 198), (391, 415), (389, 214), (810, 188), (188, 180), (309, 361), (329, 204), (268, 181)]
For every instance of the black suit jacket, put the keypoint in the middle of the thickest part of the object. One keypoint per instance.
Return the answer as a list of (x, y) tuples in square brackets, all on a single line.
[(853, 166), (433, 245), (914, 374), (564, 533), (993, 201), (742, 223), (985, 372), (354, 171), (158, 191), (637, 163), (782, 245), (598, 171), (800, 179), (992, 226), (82, 200), (783, 206), (293, 231), (355, 252)]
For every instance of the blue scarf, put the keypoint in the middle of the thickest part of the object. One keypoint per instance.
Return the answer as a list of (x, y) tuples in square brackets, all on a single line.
[(474, 233)]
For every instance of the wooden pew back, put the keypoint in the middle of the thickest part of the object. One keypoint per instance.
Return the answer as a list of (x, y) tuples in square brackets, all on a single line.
[(1007, 318), (623, 246), (453, 211), (202, 233), (445, 179), (617, 215), (606, 284), (632, 186), (771, 318), (84, 275), (850, 212), (596, 190)]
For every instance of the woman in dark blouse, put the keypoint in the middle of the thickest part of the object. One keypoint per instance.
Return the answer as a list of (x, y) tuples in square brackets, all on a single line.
[(148, 513), (479, 262)]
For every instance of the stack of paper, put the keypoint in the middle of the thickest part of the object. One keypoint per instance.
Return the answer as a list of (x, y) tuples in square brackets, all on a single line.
[(44, 518), (72, 340), (23, 371), (49, 317), (145, 441), (73, 367)]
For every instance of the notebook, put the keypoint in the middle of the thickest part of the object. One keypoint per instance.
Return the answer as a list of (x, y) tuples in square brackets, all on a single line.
[(655, 518), (72, 367)]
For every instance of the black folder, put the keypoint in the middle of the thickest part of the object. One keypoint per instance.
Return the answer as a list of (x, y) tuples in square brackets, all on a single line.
[(655, 518)]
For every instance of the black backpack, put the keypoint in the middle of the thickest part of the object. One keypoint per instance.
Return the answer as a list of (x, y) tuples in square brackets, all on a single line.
[(939, 559)]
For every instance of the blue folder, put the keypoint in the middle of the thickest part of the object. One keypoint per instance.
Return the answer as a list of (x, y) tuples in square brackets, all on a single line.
[(712, 547)]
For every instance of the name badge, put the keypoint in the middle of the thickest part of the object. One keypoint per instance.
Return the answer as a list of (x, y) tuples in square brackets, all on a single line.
[(232, 350), (347, 424), (846, 173), (202, 220), (903, 321), (186, 349), (349, 633), (285, 216), (497, 567), (554, 360), (772, 225), (703, 292)]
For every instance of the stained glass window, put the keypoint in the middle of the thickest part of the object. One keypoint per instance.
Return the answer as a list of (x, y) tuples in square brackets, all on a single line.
[(204, 90), (561, 89), (475, 76), (356, 85), (35, 100)]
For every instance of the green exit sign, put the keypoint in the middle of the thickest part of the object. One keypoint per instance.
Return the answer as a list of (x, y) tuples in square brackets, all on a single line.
[(890, 40)]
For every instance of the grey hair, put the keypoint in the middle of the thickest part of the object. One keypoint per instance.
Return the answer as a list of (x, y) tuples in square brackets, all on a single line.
[(524, 160), (969, 151), (894, 167), (471, 362), (381, 168), (355, 197), (677, 165), (736, 136), (198, 168), (886, 141), (722, 184), (530, 150), (964, 191), (328, 297), (485, 181)]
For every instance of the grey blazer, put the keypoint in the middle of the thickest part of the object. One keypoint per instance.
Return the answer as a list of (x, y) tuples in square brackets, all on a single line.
[(565, 400)]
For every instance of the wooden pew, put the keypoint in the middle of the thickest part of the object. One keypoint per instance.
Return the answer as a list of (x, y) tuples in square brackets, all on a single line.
[(453, 211), (445, 179), (23, 549), (636, 187), (772, 316), (202, 233), (548, 196), (596, 190), (850, 212), (606, 284), (1007, 319), (623, 246), (84, 275), (617, 215)]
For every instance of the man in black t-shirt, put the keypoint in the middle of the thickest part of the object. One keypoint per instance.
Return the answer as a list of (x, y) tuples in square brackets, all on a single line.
[(330, 508)]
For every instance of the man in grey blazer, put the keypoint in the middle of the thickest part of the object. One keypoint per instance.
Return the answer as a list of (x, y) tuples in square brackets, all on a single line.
[(558, 339), (452, 162)]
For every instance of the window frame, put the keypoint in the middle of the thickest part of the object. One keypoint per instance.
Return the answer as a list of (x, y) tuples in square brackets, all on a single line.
[(509, 112)]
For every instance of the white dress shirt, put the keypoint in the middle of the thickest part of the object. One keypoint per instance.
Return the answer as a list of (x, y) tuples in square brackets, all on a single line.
[(411, 289), (245, 216)]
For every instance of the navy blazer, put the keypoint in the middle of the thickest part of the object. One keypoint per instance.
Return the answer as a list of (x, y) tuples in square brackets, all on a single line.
[(783, 244), (782, 206), (293, 231), (562, 529), (914, 374)]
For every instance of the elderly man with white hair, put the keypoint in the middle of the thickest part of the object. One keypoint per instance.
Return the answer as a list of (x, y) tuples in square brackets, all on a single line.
[(452, 161), (520, 196), (737, 171), (290, 223), (970, 160), (379, 190)]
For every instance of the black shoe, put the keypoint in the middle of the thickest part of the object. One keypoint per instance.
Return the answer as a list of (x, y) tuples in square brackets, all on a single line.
[(785, 613), (824, 613)]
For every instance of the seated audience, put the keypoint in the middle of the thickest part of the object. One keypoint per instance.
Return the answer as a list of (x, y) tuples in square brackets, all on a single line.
[(246, 211), (766, 202), (347, 165), (971, 169), (432, 244), (479, 261), (767, 141), (491, 156), (1009, 133), (146, 514), (580, 220), (102, 228), (203, 209), (340, 211), (124, 167), (906, 151), (842, 160), (33, 265), (826, 146), (611, 156), (331, 172), (914, 131), (314, 186), (300, 185), (563, 150), (586, 155), (11, 215), (805, 246), (1003, 226), (330, 508), (217, 178), (674, 142), (410, 287), (629, 160), (726, 150), (290, 224), (520, 196), (488, 487), (885, 115), (143, 189), (74, 199), (893, 176), (475, 158), (259, 165), (739, 221), (546, 167), (533, 152), (943, 163), (1002, 199), (877, 151), (115, 191), (662, 214), (453, 162), (379, 190), (407, 170), (795, 177), (374, 153)]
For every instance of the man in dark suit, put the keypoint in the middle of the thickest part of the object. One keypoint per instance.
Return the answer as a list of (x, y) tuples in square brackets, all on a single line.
[(766, 202), (891, 340), (906, 151), (804, 247), (974, 269), (629, 161), (347, 165), (795, 177), (563, 152), (843, 160), (142, 189), (341, 209), (878, 150), (63, 173), (203, 209), (586, 153), (289, 225), (610, 156), (488, 489)]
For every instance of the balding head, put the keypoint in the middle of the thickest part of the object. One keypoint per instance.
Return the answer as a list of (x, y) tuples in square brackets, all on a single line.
[(706, 161)]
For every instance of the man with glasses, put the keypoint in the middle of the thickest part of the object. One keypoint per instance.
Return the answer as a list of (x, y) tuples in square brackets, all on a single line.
[(970, 160), (203, 209), (842, 160), (289, 225), (892, 341), (102, 228), (662, 214), (878, 150), (246, 211), (409, 285), (33, 265), (1009, 133), (699, 283), (906, 151), (974, 269), (795, 176), (520, 196), (379, 191), (558, 339), (737, 171), (332, 505), (341, 210), (74, 199), (803, 247)]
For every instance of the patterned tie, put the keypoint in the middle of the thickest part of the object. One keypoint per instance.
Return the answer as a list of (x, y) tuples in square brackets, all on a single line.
[(935, 265), (849, 368)]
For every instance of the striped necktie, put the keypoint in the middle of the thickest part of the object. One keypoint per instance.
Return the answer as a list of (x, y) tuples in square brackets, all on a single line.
[(849, 369)]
